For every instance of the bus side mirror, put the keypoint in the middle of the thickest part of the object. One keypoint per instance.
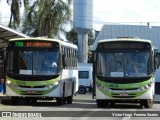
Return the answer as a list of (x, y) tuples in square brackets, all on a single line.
[(157, 60), (94, 55), (63, 61)]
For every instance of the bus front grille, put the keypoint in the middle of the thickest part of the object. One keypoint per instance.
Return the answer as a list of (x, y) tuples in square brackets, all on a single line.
[(32, 92), (31, 86), (123, 95), (124, 89)]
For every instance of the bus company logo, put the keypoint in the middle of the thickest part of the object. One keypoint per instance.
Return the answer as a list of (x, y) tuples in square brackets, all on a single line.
[(6, 114), (21, 114)]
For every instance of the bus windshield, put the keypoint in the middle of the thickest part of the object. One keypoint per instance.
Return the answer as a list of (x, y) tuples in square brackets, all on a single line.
[(124, 64), (32, 62)]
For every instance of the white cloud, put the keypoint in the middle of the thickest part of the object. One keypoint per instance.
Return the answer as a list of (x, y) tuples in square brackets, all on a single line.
[(4, 10), (110, 11), (114, 11)]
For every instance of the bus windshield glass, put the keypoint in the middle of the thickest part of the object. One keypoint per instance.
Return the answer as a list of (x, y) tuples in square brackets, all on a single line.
[(27, 62), (124, 64)]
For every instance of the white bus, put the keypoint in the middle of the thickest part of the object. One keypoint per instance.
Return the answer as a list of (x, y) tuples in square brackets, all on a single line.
[(41, 69), (124, 71)]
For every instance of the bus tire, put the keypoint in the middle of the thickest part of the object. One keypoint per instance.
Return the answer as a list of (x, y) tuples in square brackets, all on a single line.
[(148, 103), (82, 90), (69, 99), (102, 103)]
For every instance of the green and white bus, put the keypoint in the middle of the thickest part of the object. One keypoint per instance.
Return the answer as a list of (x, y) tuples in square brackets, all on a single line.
[(124, 71), (41, 69)]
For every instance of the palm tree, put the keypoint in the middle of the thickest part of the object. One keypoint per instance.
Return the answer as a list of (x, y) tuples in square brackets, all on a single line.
[(46, 17), (15, 11)]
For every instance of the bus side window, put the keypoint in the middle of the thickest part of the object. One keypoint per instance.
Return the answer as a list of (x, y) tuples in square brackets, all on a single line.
[(63, 61)]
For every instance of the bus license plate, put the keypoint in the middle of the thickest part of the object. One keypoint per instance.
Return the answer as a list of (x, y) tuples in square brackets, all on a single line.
[(123, 94), (31, 92)]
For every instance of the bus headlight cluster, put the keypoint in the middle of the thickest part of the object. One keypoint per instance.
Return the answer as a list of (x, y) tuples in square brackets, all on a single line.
[(102, 87), (11, 84), (53, 85), (146, 87)]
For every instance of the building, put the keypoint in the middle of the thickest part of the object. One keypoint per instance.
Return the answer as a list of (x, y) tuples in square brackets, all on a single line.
[(6, 34), (144, 32)]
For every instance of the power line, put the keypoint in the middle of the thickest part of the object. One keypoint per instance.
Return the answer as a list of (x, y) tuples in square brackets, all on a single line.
[(94, 21)]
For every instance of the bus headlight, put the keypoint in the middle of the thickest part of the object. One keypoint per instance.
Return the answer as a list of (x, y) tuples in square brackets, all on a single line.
[(8, 82), (104, 88), (56, 84), (146, 87), (53, 85), (11, 84)]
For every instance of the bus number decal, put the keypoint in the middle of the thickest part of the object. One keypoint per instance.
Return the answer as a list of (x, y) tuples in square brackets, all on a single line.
[(19, 44), (20, 83), (113, 85)]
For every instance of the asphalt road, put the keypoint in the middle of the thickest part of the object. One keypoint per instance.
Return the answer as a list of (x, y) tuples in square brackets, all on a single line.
[(83, 108)]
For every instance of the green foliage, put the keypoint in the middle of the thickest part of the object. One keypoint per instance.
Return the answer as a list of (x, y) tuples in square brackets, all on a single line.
[(72, 36), (90, 54), (15, 11), (41, 18), (46, 17)]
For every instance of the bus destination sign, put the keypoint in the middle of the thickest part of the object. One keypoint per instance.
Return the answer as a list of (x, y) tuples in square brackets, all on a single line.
[(33, 44)]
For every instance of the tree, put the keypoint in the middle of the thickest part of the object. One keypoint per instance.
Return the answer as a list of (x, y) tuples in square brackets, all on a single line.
[(46, 17), (72, 36), (15, 11)]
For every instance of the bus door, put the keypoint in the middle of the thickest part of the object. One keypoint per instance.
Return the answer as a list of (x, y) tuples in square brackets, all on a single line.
[(1, 72)]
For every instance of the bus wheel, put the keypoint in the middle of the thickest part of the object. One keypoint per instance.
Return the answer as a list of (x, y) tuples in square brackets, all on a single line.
[(69, 99), (15, 100), (82, 90), (148, 103), (102, 103)]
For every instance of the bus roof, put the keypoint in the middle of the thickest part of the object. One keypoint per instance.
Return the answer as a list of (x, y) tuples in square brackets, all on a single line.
[(65, 43), (119, 39)]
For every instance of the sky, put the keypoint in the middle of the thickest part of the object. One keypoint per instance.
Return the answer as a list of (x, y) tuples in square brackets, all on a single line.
[(115, 12), (126, 11)]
